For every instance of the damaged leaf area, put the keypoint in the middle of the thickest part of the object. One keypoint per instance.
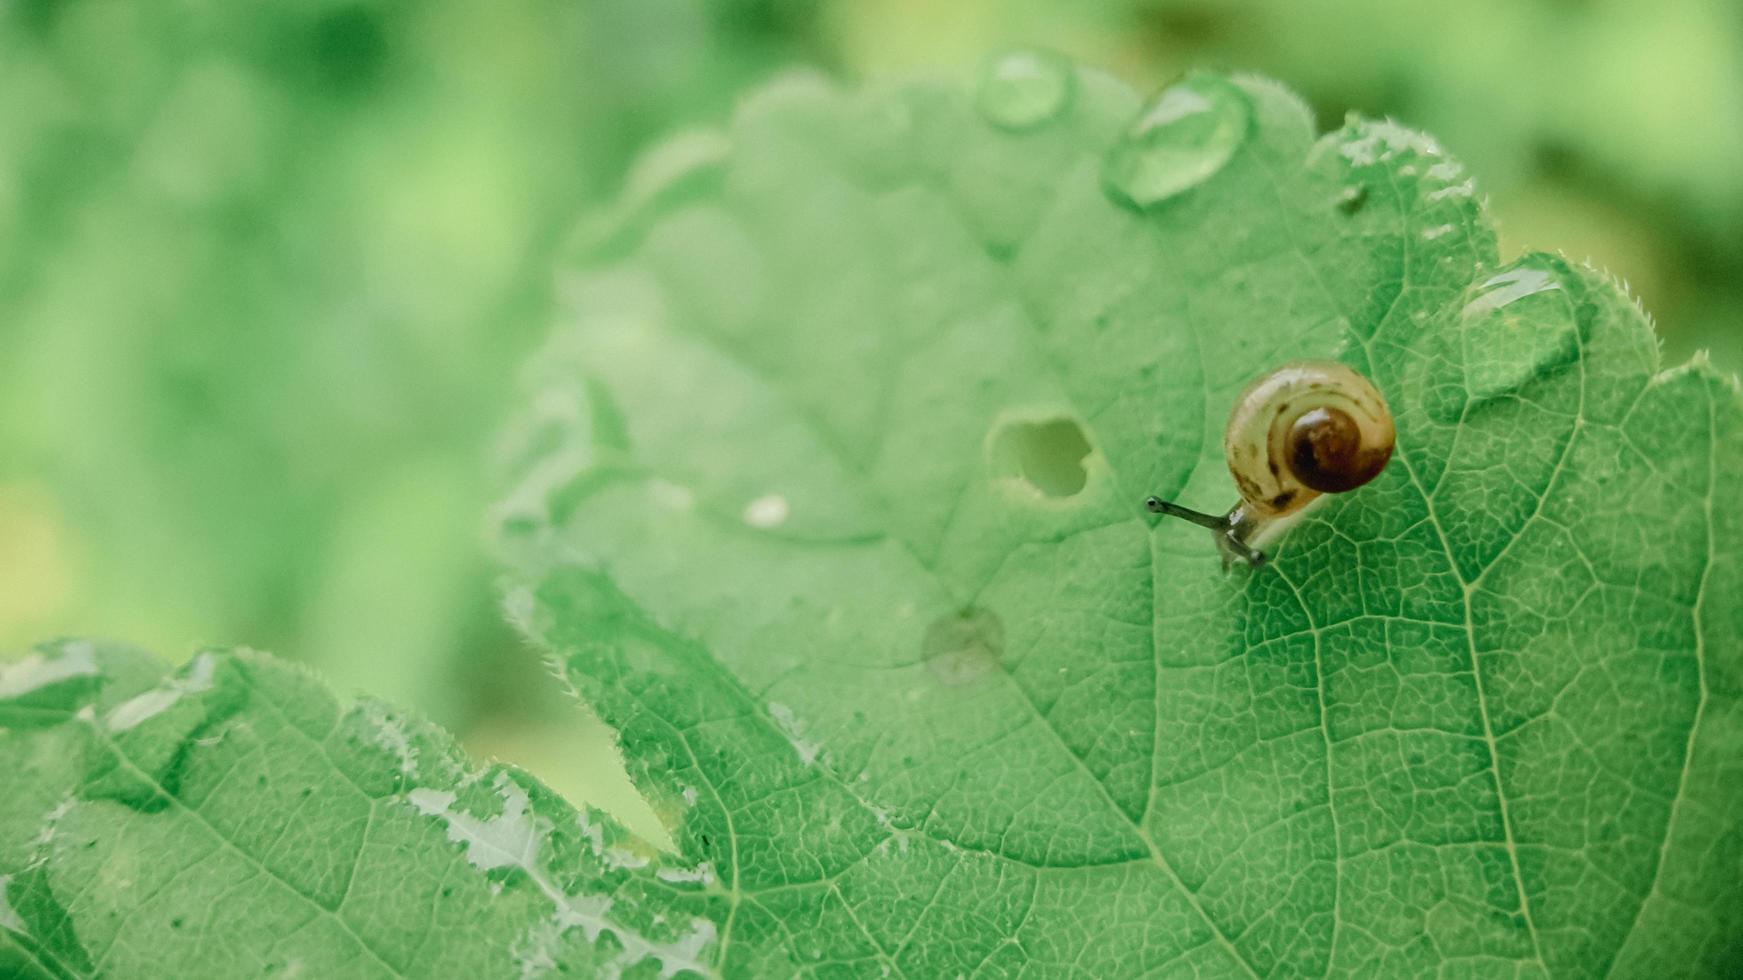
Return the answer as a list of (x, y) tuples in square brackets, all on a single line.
[(828, 497), (233, 819)]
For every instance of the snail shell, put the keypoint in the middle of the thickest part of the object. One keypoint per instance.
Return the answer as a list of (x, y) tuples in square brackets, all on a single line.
[(1307, 428)]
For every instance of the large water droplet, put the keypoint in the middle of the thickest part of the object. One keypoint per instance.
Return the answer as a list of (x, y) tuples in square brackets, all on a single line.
[(1519, 325), (1532, 275), (1023, 89), (1181, 139)]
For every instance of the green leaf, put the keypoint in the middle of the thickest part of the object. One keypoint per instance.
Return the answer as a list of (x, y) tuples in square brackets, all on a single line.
[(829, 501), (234, 820)]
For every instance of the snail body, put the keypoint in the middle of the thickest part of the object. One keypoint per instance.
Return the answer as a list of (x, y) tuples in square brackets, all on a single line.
[(1305, 429)]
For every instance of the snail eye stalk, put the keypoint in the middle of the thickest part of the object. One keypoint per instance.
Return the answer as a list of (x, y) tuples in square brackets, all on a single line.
[(1230, 529)]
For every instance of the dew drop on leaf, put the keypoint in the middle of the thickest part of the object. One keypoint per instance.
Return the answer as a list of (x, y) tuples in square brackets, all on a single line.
[(1023, 89), (1519, 325), (1530, 276), (1183, 136)]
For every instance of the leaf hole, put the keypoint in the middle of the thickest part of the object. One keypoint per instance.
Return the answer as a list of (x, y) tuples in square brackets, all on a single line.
[(1048, 455)]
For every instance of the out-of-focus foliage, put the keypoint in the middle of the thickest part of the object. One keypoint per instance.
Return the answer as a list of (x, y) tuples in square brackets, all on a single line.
[(276, 831), (265, 270)]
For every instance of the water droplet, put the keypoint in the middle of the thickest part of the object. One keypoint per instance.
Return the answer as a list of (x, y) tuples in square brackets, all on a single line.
[(1530, 276), (1518, 326), (1180, 140), (1023, 89), (962, 647), (1353, 198)]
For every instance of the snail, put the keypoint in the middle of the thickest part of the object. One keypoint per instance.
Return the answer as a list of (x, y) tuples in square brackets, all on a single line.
[(1308, 428)]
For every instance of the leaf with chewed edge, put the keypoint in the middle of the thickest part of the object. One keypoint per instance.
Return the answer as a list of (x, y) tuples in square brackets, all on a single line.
[(234, 819), (829, 500)]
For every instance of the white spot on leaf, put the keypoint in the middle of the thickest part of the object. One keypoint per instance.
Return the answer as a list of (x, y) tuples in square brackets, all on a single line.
[(391, 735), (790, 727), (50, 821), (1467, 188), (9, 918), (505, 840), (512, 839), (769, 510), (702, 874)]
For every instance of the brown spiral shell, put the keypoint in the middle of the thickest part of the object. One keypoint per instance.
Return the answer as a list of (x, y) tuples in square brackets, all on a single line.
[(1306, 428)]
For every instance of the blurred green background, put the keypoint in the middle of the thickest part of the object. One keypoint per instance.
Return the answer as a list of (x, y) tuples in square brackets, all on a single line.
[(267, 270)]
